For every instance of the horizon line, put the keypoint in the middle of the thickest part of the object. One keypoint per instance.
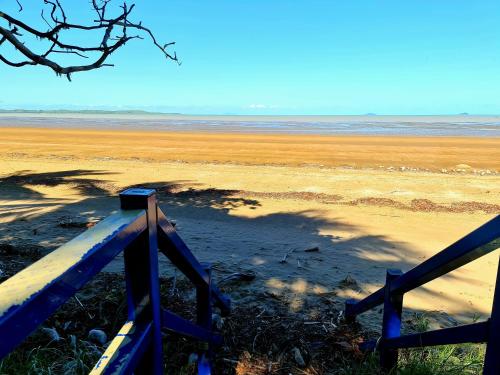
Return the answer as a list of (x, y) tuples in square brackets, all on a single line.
[(146, 112)]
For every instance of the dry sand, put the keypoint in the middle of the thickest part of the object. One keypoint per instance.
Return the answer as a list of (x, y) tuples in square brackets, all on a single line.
[(244, 201)]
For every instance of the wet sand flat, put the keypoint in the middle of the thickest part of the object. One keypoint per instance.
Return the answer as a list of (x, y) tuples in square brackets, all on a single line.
[(433, 153)]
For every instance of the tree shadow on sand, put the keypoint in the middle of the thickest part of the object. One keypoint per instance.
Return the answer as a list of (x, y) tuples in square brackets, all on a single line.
[(212, 224)]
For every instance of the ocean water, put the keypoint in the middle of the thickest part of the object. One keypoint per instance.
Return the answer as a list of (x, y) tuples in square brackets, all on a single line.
[(462, 125)]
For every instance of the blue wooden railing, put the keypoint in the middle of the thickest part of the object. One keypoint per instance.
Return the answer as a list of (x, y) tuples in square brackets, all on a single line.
[(139, 229), (476, 244)]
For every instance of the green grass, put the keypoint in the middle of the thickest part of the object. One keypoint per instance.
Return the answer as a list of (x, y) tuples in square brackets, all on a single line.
[(76, 357), (101, 304), (440, 360), (463, 359)]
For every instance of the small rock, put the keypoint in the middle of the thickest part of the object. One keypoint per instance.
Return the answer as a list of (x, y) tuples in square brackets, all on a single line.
[(297, 356), (192, 359), (49, 334), (97, 336)]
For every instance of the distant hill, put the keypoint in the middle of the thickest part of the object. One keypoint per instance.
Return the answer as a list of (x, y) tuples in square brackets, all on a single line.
[(86, 111)]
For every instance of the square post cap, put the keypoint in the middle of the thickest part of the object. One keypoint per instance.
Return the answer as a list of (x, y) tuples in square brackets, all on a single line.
[(136, 198)]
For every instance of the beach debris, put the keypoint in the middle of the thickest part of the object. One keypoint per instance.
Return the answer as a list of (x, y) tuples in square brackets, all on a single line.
[(66, 325), (238, 276), (340, 316), (273, 295), (173, 288), (312, 249), (329, 293), (462, 167), (217, 321), (286, 255), (345, 345), (349, 283), (77, 222), (83, 307), (97, 336), (72, 341), (297, 356)]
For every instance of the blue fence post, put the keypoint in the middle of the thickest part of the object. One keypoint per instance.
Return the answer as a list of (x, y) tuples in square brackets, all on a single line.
[(391, 323), (142, 279), (492, 358), (204, 318), (350, 317)]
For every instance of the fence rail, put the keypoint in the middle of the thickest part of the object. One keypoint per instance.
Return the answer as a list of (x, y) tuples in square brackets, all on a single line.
[(139, 229), (478, 243)]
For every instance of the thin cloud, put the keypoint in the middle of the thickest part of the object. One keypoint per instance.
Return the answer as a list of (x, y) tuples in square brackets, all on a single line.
[(258, 106)]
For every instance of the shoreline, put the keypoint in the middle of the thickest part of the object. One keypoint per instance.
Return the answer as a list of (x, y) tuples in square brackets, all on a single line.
[(225, 132), (441, 126)]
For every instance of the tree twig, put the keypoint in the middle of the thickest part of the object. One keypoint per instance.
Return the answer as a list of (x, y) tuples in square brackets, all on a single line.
[(109, 42)]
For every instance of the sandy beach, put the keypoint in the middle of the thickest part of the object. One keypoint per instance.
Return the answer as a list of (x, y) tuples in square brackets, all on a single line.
[(243, 201)]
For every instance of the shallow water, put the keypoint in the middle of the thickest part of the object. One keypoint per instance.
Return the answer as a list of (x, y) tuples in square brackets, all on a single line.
[(463, 125)]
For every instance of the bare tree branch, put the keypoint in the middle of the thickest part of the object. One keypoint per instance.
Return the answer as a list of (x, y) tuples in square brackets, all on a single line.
[(114, 36)]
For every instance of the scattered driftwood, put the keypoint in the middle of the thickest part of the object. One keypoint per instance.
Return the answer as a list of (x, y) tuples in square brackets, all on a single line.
[(286, 255), (238, 276), (77, 222), (312, 249)]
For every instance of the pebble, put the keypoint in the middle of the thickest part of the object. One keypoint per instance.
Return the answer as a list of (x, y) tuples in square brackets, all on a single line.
[(50, 334), (97, 336), (297, 356)]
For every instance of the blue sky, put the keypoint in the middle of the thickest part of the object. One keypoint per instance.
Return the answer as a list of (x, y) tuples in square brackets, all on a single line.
[(286, 57)]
